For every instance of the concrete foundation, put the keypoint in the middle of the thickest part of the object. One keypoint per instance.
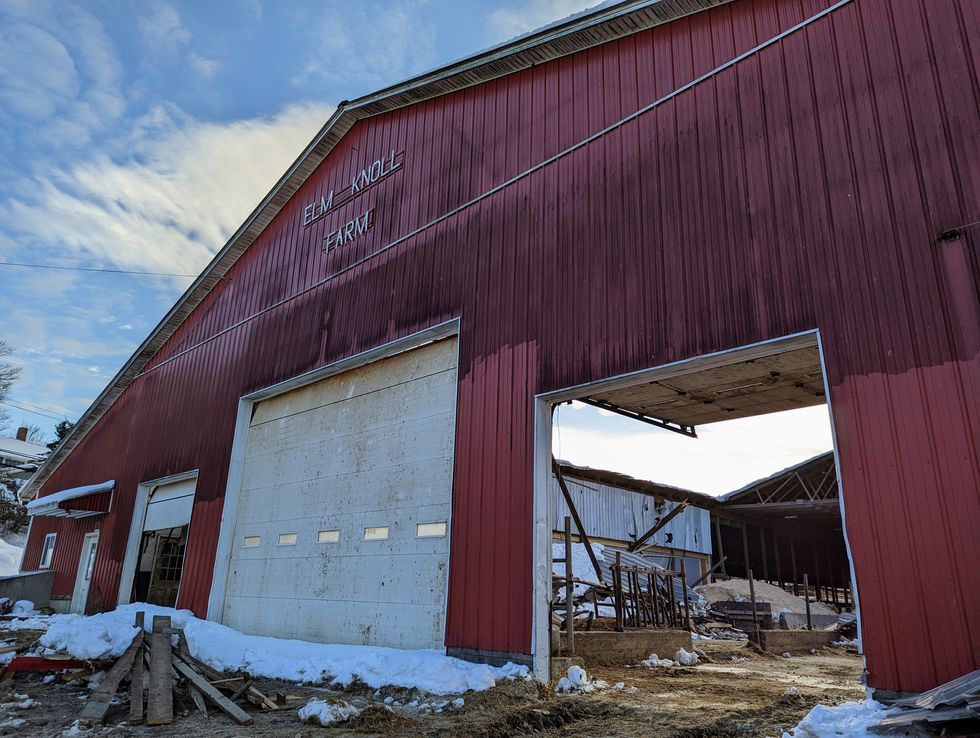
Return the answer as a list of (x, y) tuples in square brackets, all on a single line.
[(793, 641), (609, 648), (35, 587)]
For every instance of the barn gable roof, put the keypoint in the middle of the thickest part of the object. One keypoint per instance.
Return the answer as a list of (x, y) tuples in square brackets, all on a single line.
[(605, 23)]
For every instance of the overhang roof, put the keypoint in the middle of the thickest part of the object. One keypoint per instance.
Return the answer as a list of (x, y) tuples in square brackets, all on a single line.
[(782, 381), (606, 23)]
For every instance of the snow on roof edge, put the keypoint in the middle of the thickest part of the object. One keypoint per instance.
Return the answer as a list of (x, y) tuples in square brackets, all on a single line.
[(70, 494)]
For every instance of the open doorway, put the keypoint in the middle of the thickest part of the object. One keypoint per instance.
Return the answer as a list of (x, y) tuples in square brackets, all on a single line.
[(160, 567), (154, 563), (766, 524)]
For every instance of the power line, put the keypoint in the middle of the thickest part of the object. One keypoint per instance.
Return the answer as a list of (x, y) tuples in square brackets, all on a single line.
[(54, 410), (92, 269), (42, 413)]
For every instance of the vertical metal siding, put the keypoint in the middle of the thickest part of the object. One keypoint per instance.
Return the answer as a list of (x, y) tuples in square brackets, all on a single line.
[(802, 188)]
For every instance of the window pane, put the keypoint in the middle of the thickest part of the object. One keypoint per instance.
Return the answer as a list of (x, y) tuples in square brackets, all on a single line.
[(251, 541), (328, 536), (430, 530), (287, 539), (379, 533), (47, 550)]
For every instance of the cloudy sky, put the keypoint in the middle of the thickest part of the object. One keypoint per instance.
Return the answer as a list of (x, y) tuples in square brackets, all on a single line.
[(138, 135)]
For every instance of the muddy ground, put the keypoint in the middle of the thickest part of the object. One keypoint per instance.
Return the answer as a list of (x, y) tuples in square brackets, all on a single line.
[(740, 693)]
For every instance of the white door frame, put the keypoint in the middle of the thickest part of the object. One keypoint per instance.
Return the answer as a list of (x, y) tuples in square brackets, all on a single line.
[(247, 403), (131, 559), (78, 603), (543, 408)]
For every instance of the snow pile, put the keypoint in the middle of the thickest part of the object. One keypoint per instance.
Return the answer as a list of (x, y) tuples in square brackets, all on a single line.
[(327, 713), (23, 607), (23, 702), (848, 720), (10, 557), (654, 662), (578, 680), (109, 634), (684, 658), (738, 590), (581, 565)]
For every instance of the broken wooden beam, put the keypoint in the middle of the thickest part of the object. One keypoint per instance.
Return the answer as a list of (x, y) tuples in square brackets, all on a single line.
[(223, 703), (582, 535), (160, 697), (136, 680), (660, 524), (99, 701)]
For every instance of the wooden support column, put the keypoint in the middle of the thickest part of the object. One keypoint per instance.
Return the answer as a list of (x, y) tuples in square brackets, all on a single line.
[(816, 572), (765, 558), (775, 550), (792, 558), (745, 549), (721, 547)]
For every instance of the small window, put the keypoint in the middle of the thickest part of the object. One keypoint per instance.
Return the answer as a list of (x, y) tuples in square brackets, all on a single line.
[(47, 550), (430, 530), (251, 541), (379, 533), (287, 539), (328, 536)]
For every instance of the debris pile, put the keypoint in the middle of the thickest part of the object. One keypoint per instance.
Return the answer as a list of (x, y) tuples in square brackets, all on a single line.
[(954, 701), (162, 669)]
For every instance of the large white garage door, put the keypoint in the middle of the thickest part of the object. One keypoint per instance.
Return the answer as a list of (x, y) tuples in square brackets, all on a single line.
[(343, 521)]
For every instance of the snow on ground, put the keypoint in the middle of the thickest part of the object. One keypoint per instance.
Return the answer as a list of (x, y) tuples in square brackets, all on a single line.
[(109, 634), (10, 557), (847, 720), (327, 713), (581, 564)]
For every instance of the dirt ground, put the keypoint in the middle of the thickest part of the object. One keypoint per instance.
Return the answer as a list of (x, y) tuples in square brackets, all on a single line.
[(739, 693)]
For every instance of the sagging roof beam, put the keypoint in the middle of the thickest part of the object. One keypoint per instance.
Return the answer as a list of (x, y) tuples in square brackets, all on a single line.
[(684, 430)]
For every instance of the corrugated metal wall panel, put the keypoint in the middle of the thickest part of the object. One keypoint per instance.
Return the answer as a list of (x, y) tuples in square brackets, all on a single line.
[(621, 515), (803, 188)]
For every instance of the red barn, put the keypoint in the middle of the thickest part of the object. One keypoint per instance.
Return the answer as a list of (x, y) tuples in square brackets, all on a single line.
[(342, 429)]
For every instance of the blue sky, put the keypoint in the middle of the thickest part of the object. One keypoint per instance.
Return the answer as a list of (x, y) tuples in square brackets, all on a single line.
[(138, 135)]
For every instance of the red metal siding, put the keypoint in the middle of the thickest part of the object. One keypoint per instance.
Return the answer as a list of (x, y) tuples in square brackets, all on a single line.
[(802, 188)]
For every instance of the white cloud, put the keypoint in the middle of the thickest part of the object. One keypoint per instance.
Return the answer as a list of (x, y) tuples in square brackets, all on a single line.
[(724, 457), (59, 70), (516, 19), (168, 206), (162, 27), (207, 68), (365, 50)]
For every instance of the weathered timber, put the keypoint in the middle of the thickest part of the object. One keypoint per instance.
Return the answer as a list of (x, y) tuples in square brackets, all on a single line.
[(160, 697), (136, 681), (223, 703), (98, 702)]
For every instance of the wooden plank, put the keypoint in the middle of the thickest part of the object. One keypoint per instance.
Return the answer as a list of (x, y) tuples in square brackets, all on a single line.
[(198, 699), (136, 681), (98, 702), (160, 696), (224, 704)]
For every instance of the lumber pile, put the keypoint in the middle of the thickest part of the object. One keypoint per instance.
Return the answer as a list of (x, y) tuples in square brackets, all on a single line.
[(160, 675)]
